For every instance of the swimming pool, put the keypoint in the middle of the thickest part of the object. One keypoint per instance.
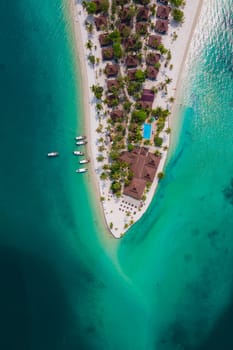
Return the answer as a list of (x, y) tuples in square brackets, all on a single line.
[(147, 131)]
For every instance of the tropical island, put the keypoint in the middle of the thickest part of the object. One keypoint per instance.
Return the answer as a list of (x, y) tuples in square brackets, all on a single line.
[(131, 55)]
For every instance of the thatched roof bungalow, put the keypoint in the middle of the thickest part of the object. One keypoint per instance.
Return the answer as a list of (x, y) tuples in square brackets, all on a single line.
[(107, 53), (163, 12), (111, 70), (161, 26), (131, 61), (141, 28), (144, 166), (104, 39), (152, 58), (142, 14), (101, 22), (152, 72), (117, 115), (113, 83), (131, 74), (154, 41)]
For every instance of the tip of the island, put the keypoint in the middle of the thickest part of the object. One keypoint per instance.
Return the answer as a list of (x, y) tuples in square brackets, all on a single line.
[(132, 54)]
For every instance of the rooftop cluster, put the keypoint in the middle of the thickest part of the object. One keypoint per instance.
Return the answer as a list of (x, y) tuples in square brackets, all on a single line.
[(130, 35)]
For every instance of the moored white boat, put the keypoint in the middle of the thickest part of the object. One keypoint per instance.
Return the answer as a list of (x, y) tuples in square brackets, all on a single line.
[(84, 161), (81, 137), (53, 154), (81, 170), (78, 153), (79, 143)]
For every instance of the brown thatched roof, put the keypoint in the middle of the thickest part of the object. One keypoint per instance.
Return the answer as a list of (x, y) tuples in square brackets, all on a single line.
[(142, 14), (116, 114), (154, 41), (104, 39), (111, 70), (135, 188), (144, 166), (124, 29), (151, 72), (148, 95), (152, 58), (100, 22), (113, 83), (129, 43), (131, 74), (141, 27), (107, 53), (161, 26), (163, 12), (131, 61), (125, 15)]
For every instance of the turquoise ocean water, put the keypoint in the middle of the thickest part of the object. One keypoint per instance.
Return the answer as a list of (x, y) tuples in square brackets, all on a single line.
[(65, 283)]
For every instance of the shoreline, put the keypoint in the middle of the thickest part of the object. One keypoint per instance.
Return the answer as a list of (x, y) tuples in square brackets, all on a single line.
[(179, 49), (85, 96)]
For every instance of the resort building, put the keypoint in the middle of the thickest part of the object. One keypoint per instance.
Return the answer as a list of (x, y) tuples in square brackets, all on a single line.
[(161, 26), (163, 12), (111, 70), (144, 165), (101, 22), (104, 40), (154, 41)]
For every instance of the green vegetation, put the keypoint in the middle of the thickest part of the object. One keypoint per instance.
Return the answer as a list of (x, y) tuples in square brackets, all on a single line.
[(117, 50), (162, 49), (104, 6), (161, 175), (91, 59), (177, 3), (178, 15), (158, 141), (91, 8), (139, 116), (140, 76), (130, 147), (98, 91), (100, 158)]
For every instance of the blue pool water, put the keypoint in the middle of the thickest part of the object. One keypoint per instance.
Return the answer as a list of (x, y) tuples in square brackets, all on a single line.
[(146, 131)]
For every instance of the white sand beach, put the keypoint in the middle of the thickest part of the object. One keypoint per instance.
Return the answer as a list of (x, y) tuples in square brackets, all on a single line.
[(121, 213)]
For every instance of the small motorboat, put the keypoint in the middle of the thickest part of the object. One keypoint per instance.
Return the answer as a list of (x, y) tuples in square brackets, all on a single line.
[(84, 161), (53, 154), (78, 153), (81, 170), (81, 137), (79, 143)]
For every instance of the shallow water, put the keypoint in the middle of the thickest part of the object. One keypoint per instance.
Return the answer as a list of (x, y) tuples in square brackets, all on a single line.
[(66, 284)]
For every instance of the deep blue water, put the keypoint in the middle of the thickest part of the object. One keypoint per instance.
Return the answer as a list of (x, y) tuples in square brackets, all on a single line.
[(65, 283)]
